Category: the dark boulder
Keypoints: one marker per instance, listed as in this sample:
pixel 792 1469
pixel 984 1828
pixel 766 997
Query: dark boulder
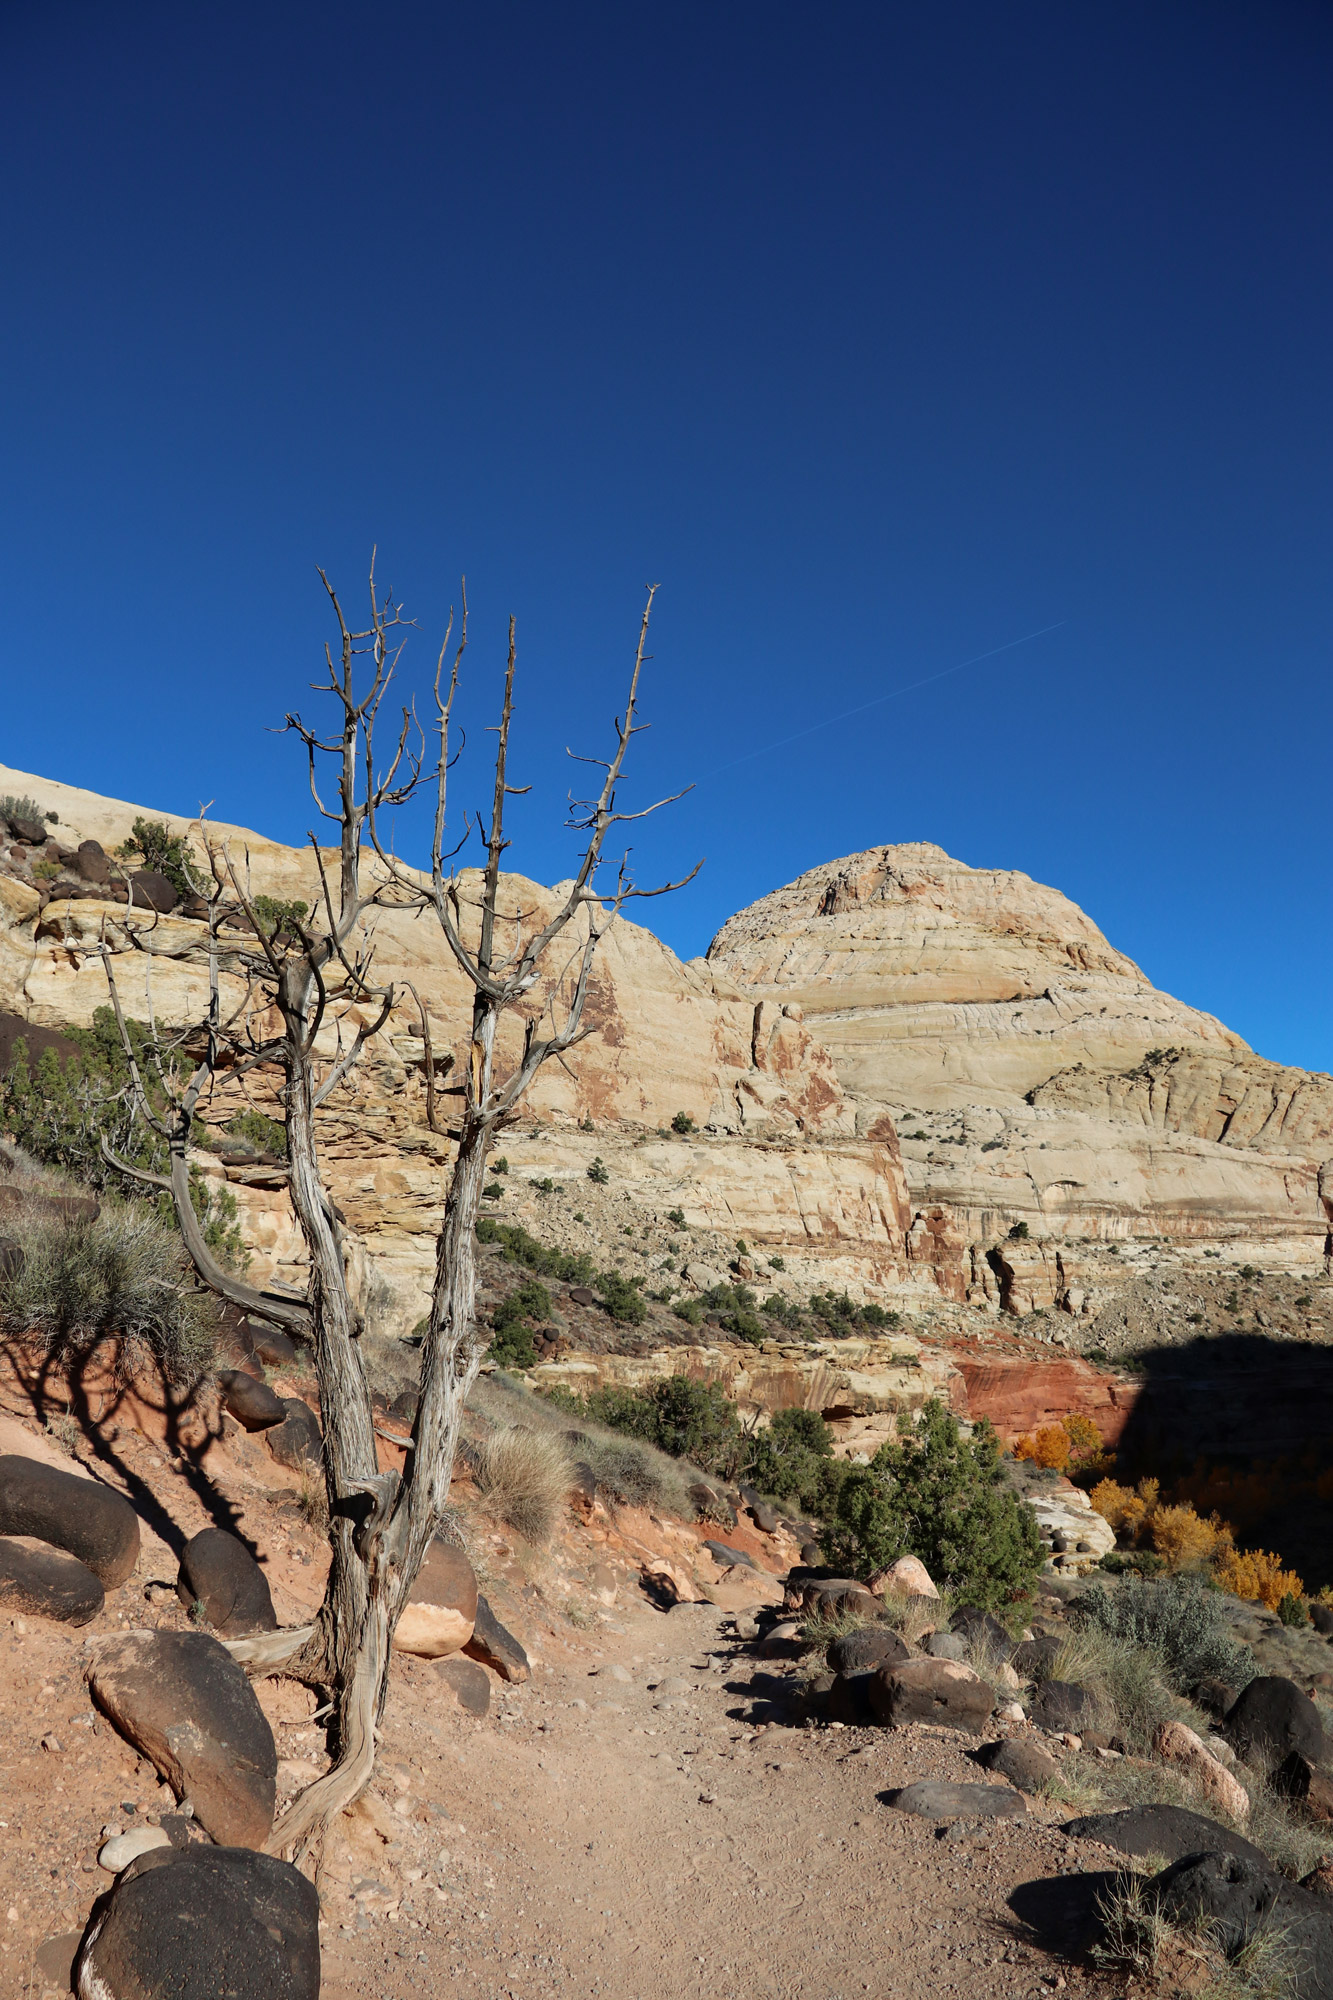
pixel 840 1597
pixel 1022 1760
pixel 153 891
pixel 765 1517
pixel 1035 1658
pixel 196 1923
pixel 939 1691
pixel 218 1571
pixel 1170 1830
pixel 860 1652
pixel 250 1401
pixel 182 1700
pixel 709 1504
pixel 495 1645
pixel 1062 1706
pixel 32 832
pixel 1216 1698
pixel 1234 1898
pixel 44 1582
pixel 1297 1778
pixel 728 1557
pixel 1321 1617
pixel 933 1799
pixel 980 1628
pixel 85 1518
pixel 847 1699
pixel 469 1682
pixel 1271 1718
pixel 92 863
pixel 581 1296
pixel 297 1440
pixel 271 1346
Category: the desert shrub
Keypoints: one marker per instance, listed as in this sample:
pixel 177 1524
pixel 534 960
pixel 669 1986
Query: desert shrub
pixel 1257 1575
pixel 793 1460
pixel 622 1298
pixel 1292 1610
pixel 153 842
pixel 690 1310
pixel 1179 1619
pixel 500 1165
pixel 124 1273
pixel 1125 1508
pixel 1048 1447
pixel 876 1317
pixel 1019 1232
pixel 1074 1445
pixel 684 1419
pixel 598 1173
pixel 634 1473
pixel 62 1112
pixel 523 1476
pixel 20 806
pixel 776 1307
pixel 513 1320
pixel 1183 1539
pixel 935 1494
pixel 1126 1677
pixel 676 1217
pixel 266 1135
pixel 574 1266
pixel 742 1324
pixel 682 1122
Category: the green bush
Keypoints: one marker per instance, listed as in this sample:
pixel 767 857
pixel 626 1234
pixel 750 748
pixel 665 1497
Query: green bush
pixel 575 1267
pixel 1019 1233
pixel 793 1460
pixel 690 1310
pixel 266 1135
pixel 1179 1619
pixel 684 1419
pixel 622 1298
pixel 22 807
pixel 513 1321
pixel 776 1307
pixel 676 1217
pixel 777 1263
pixel 597 1171
pixel 279 922
pixel 61 1113
pixel 124 1273
pixel 1293 1610
pixel 682 1122
pixel 153 842
pixel 938 1495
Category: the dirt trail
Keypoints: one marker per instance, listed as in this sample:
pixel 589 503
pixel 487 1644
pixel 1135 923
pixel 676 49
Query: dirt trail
pixel 608 1836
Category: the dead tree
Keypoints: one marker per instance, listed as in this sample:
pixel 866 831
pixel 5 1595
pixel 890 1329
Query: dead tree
pixel 381 1523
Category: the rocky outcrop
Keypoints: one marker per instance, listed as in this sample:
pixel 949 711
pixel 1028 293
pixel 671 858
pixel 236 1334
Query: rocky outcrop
pixel 1034 1074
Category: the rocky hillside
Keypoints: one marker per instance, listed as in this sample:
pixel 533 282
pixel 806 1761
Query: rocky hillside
pixel 1034 1075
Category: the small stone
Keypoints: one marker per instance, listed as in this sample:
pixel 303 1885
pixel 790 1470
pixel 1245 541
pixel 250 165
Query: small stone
pixel 126 1847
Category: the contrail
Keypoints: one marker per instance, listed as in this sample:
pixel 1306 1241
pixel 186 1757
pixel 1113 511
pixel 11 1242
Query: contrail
pixel 861 708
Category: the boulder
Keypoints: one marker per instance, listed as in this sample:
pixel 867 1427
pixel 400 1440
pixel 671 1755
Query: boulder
pixel 981 1629
pixel 1321 1617
pixel 196 1923
pixel 847 1699
pixel 1271 1719
pixel 53 1961
pixel 1062 1706
pixel 250 1401
pixel 1233 1898
pixel 721 1552
pixel 218 1571
pixel 908 1577
pixel 182 1700
pixel 1035 1658
pixel 441 1608
pixel 1169 1830
pixel 940 1691
pixel 1175 1743
pixel 1297 1778
pixel 946 1646
pixel 839 1597
pixel 39 1581
pixel 495 1645
pixel 32 832
pixel 153 891
pixel 91 862
pixel 933 1799
pixel 710 1504
pixel 765 1517
pixel 860 1652
pixel 469 1682
pixel 297 1440
pixel 1022 1760
pixel 82 1516
pixel 274 1348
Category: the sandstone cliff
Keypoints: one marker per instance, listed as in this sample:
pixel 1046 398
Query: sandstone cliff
pixel 1035 1076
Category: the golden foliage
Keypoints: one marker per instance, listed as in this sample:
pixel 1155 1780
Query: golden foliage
pixel 1075 1442
pixel 1257 1575
pixel 1050 1447
pixel 1184 1539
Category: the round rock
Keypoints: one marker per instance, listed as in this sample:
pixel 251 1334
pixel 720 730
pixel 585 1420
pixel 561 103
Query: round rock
pixel 123 1848
pixel 79 1515
pixel 46 1582
pixel 297 1440
pixel 219 1572
pixel 199 1922
pixel 933 1799
pixel 441 1611
pixel 250 1401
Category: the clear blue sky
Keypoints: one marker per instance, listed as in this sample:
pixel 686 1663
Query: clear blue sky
pixel 877 335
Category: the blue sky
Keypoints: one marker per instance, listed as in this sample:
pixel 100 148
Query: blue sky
pixel 878 336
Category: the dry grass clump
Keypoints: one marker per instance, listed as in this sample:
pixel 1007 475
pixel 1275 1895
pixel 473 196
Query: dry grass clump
pixel 122 1274
pixel 524 1477
pixel 912 1618
pixel 1139 1938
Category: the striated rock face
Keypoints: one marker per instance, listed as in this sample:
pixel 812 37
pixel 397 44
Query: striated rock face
pixel 1034 1074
